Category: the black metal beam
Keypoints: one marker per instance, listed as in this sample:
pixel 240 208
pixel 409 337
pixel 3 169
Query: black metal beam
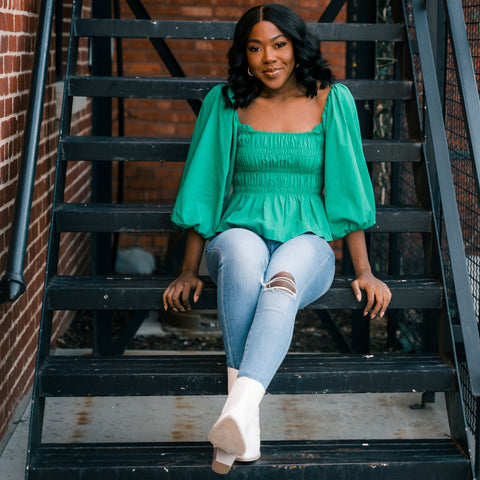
pixel 113 292
pixel 361 59
pixel 331 12
pixel 322 460
pixel 197 88
pixel 334 331
pixel 102 174
pixel 174 149
pixel 105 217
pixel 358 32
pixel 170 29
pixel 205 374
pixel 128 332
pixel 163 50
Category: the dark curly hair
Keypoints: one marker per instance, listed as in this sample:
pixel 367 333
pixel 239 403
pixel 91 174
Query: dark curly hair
pixel 311 67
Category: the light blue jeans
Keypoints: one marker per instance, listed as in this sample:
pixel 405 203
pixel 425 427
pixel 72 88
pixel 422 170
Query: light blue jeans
pixel 257 319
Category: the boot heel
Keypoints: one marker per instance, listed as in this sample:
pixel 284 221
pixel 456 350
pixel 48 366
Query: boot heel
pixel 227 435
pixel 222 461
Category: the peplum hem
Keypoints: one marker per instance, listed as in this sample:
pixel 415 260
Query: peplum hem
pixel 277 217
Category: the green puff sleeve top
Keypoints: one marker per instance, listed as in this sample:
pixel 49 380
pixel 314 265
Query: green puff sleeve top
pixel 276 184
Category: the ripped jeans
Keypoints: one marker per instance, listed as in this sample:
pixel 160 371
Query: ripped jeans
pixel 257 299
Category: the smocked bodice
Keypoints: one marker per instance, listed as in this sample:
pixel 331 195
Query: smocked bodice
pixel 278 163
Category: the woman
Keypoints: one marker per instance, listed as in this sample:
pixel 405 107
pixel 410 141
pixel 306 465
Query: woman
pixel 275 171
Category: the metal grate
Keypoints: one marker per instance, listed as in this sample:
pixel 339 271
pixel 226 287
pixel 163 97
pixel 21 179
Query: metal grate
pixel 470 216
pixel 469 402
pixel 465 185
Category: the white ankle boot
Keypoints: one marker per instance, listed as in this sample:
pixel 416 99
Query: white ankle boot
pixel 230 434
pixel 252 451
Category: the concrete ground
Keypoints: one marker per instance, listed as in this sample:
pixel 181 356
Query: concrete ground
pixel 187 418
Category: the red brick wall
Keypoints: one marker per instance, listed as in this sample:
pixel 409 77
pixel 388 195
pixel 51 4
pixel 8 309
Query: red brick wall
pixel 145 182
pixel 19 321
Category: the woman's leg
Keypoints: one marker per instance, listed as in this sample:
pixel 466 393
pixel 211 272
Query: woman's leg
pixel 237 259
pixel 299 271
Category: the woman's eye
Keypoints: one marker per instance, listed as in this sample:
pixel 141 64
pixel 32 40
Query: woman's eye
pixel 253 49
pixel 280 44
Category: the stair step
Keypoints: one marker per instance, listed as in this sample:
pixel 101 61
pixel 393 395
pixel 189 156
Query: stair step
pixel 392 151
pixel 102 217
pixel 197 88
pixel 200 374
pixel 316 460
pixel 98 217
pixel 112 149
pixel 117 292
pixel 144 149
pixel 170 29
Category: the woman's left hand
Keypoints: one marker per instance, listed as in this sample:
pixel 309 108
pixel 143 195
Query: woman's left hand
pixel 378 294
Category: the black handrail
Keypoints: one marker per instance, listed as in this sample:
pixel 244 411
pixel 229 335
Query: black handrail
pixel 13 283
pixel 59 40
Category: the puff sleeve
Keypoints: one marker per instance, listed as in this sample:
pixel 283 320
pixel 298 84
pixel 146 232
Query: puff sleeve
pixel 208 171
pixel 348 193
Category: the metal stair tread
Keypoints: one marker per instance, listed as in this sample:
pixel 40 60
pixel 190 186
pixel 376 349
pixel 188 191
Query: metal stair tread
pixel 223 30
pixel 111 217
pixel 174 149
pixel 196 88
pixel 322 460
pixel 117 292
pixel 205 374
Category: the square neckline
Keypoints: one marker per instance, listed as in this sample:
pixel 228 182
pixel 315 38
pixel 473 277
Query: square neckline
pixel 312 130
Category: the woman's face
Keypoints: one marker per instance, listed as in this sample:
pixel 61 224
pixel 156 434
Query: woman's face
pixel 270 57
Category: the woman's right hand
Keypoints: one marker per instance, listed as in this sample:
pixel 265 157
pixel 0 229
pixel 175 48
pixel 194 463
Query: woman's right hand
pixel 177 294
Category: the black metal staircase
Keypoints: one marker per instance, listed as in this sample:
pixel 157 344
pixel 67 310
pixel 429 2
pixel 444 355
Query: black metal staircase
pixel 108 375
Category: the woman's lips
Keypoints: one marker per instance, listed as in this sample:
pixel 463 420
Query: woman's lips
pixel 272 72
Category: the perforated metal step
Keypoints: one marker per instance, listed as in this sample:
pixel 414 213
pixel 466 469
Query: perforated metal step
pixel 200 374
pixel 315 460
pixel 145 293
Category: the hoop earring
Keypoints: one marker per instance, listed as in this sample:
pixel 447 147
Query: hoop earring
pixel 250 72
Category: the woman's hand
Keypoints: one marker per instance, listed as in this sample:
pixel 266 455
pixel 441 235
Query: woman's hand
pixel 177 294
pixel 378 294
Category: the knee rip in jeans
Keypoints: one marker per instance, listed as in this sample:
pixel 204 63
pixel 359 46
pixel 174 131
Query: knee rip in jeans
pixel 284 282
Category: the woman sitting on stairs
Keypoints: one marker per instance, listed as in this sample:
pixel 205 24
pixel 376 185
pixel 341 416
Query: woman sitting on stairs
pixel 274 172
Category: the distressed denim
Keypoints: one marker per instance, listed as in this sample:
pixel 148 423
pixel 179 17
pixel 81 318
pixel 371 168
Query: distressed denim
pixel 257 319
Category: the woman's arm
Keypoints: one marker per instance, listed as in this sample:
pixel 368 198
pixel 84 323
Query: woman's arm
pixel 177 293
pixel 378 294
